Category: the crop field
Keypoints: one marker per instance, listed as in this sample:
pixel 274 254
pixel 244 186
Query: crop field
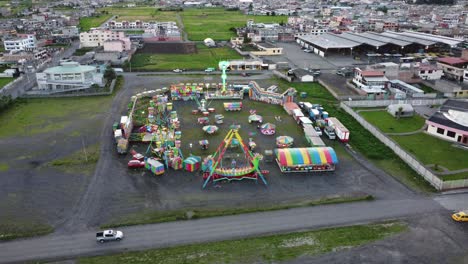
pixel 206 57
pixel 216 23
pixel 140 13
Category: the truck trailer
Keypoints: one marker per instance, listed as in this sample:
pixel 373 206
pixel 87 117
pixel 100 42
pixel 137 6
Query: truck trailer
pixel 340 130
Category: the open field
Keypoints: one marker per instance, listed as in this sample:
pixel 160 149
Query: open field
pixel 267 249
pixel 86 23
pixel 389 124
pixel 5 80
pixel 431 150
pixel 147 13
pixel 206 57
pixel 34 116
pixel 216 23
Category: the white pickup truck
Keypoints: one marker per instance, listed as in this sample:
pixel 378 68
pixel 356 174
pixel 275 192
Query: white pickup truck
pixel 109 235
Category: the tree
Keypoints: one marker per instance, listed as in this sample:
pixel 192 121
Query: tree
pixel 383 9
pixel 250 7
pixel 273 13
pixel 109 74
pixel 400 111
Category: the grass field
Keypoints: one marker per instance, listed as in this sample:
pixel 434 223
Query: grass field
pixel 197 213
pixel 215 23
pixel 34 116
pixel 18 228
pixel 266 249
pixel 6 80
pixel 147 13
pixel 206 57
pixel 90 22
pixel 389 124
pixel 431 150
pixel 84 160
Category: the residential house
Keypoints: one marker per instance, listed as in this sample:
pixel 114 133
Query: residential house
pixel 453 67
pixel 370 82
pixel 97 37
pixel 23 42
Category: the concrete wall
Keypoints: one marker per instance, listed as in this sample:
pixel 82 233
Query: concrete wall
pixel 405 156
pixel 384 103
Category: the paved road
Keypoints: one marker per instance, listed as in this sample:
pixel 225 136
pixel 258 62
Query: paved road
pixel 212 229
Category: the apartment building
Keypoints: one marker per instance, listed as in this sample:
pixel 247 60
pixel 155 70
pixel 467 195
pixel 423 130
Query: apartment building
pixel 97 37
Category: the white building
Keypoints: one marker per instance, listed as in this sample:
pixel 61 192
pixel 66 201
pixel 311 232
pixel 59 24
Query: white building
pixel 97 37
pixel 27 42
pixel 450 122
pixel 430 72
pixel 69 76
pixel 371 82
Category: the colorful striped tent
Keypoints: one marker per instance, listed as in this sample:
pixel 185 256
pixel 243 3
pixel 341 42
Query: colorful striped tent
pixel 192 163
pixel 306 159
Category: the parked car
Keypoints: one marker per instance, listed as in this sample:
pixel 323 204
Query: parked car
pixel 461 216
pixel 109 235
pixel 345 72
pixel 245 74
pixel 330 132
pixel 318 130
pixel 178 70
pixel 308 51
pixel 209 69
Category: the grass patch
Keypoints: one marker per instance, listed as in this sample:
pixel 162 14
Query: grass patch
pixel 82 51
pixel 135 32
pixel 206 57
pixel 18 228
pixel 83 160
pixel 64 45
pixel 431 150
pixel 426 88
pixel 389 124
pixel 86 23
pixel 4 167
pixel 374 150
pixel 266 249
pixel 454 177
pixel 27 117
pixel 5 80
pixel 216 23
pixel 197 213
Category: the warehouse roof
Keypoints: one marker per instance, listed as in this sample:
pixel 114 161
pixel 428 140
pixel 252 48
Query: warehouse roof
pixel 363 39
pixel 431 37
pixel 411 39
pixel 330 41
pixel 390 40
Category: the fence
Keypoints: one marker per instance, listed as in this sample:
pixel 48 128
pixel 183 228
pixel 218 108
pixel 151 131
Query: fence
pixel 405 156
pixel 282 76
pixel 383 103
pixel 111 90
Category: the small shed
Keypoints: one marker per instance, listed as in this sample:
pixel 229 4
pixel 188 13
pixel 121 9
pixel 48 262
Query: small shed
pixel 407 110
pixel 303 75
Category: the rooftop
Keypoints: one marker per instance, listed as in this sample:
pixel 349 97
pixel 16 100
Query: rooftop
pixel 70 67
pixel 453 113
pixel 452 60
pixel 372 73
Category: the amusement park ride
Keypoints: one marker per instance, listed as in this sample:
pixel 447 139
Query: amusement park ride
pixel 234 159
pixel 212 165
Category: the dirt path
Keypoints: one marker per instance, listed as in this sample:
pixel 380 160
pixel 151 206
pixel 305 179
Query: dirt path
pixel 181 27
